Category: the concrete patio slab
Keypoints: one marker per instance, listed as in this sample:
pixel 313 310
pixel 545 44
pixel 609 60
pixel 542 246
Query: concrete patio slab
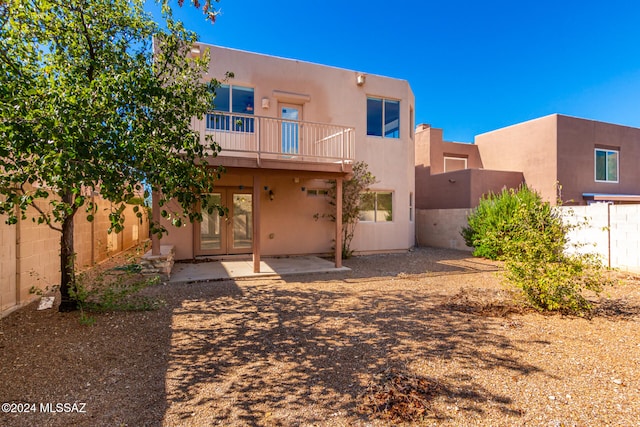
pixel 238 269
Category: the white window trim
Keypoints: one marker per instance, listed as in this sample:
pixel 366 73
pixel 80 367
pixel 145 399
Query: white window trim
pixel 595 165
pixel 444 165
pixel 393 202
pixel 384 114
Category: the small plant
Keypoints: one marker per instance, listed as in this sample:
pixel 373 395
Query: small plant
pixel 352 190
pixel 114 290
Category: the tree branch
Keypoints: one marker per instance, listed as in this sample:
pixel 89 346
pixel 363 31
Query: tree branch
pixel 42 213
pixel 92 54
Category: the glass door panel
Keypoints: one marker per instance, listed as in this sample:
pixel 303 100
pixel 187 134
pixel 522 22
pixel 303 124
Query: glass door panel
pixel 242 221
pixel 290 128
pixel 211 228
pixel 230 234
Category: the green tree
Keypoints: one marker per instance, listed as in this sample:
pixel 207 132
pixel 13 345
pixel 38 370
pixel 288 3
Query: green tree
pixel 85 105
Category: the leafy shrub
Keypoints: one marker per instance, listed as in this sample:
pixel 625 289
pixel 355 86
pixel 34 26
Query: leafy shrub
pixel 115 290
pixel 530 236
pixel 492 225
pixel 557 285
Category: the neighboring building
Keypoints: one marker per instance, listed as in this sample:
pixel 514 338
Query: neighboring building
pixel 589 160
pixel 450 175
pixel 288 129
pixel 574 160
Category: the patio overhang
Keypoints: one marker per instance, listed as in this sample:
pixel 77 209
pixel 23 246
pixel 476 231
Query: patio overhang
pixel 616 198
pixel 248 165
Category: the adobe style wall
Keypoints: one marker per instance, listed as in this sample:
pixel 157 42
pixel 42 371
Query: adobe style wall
pixel 431 150
pixel 530 148
pixel 577 141
pixel 328 95
pixel 462 188
pixel 436 189
pixel 558 149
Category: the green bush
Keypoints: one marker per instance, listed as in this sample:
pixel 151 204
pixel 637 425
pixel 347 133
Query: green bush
pixel 493 225
pixel 528 234
pixel 114 290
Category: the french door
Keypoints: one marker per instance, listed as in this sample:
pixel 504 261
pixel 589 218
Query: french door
pixel 229 234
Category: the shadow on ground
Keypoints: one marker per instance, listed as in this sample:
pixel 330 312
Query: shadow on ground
pixel 258 353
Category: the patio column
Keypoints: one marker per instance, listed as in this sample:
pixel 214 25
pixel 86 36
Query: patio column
pixel 155 219
pixel 338 222
pixel 256 223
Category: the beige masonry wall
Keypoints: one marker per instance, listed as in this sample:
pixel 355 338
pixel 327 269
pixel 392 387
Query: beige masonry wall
pixel 30 254
pixel 611 231
pixel 440 228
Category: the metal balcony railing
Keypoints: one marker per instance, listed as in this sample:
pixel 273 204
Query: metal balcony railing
pixel 279 139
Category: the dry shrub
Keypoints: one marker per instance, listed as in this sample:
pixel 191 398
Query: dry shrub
pixel 398 397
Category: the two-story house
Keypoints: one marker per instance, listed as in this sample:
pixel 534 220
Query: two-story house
pixel 288 130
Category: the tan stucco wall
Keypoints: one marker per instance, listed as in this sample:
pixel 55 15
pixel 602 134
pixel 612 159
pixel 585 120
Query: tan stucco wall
pixel 463 188
pixel 329 95
pixel 577 140
pixel 288 226
pixel 431 150
pixel 559 149
pixel 530 147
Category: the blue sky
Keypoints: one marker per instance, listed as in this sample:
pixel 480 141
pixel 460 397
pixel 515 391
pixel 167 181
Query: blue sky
pixel 474 66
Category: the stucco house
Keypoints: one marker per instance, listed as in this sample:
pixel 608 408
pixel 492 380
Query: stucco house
pixel 573 160
pixel 288 129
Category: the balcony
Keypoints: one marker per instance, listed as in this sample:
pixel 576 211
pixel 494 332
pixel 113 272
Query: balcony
pixel 267 142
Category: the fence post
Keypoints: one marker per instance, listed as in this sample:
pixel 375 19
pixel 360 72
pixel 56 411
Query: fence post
pixel 609 234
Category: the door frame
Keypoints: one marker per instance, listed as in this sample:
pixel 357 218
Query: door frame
pixel 300 109
pixel 226 226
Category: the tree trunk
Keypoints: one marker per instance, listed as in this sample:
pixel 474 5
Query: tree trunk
pixel 67 261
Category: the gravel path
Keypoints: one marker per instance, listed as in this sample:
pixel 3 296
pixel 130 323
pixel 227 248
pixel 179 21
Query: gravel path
pixel 302 351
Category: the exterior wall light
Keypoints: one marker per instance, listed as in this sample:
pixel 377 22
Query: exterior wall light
pixel 265 103
pixel 361 79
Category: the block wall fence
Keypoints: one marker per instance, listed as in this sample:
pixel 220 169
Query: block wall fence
pixel 612 231
pixel 30 253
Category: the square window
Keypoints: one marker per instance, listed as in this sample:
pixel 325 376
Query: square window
pixel 383 117
pixel 232 99
pixel 606 165
pixel 376 206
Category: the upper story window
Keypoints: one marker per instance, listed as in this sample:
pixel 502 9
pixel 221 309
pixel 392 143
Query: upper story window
pixel 606 165
pixel 232 99
pixel 383 117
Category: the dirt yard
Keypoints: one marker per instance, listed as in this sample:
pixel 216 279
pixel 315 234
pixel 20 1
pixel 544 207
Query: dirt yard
pixel 308 350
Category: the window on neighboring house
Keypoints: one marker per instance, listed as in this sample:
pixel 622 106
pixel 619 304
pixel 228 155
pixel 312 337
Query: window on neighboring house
pixel 376 206
pixel 454 163
pixel 607 165
pixel 383 117
pixel 232 99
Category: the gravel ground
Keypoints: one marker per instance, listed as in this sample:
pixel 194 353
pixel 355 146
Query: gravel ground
pixel 303 350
